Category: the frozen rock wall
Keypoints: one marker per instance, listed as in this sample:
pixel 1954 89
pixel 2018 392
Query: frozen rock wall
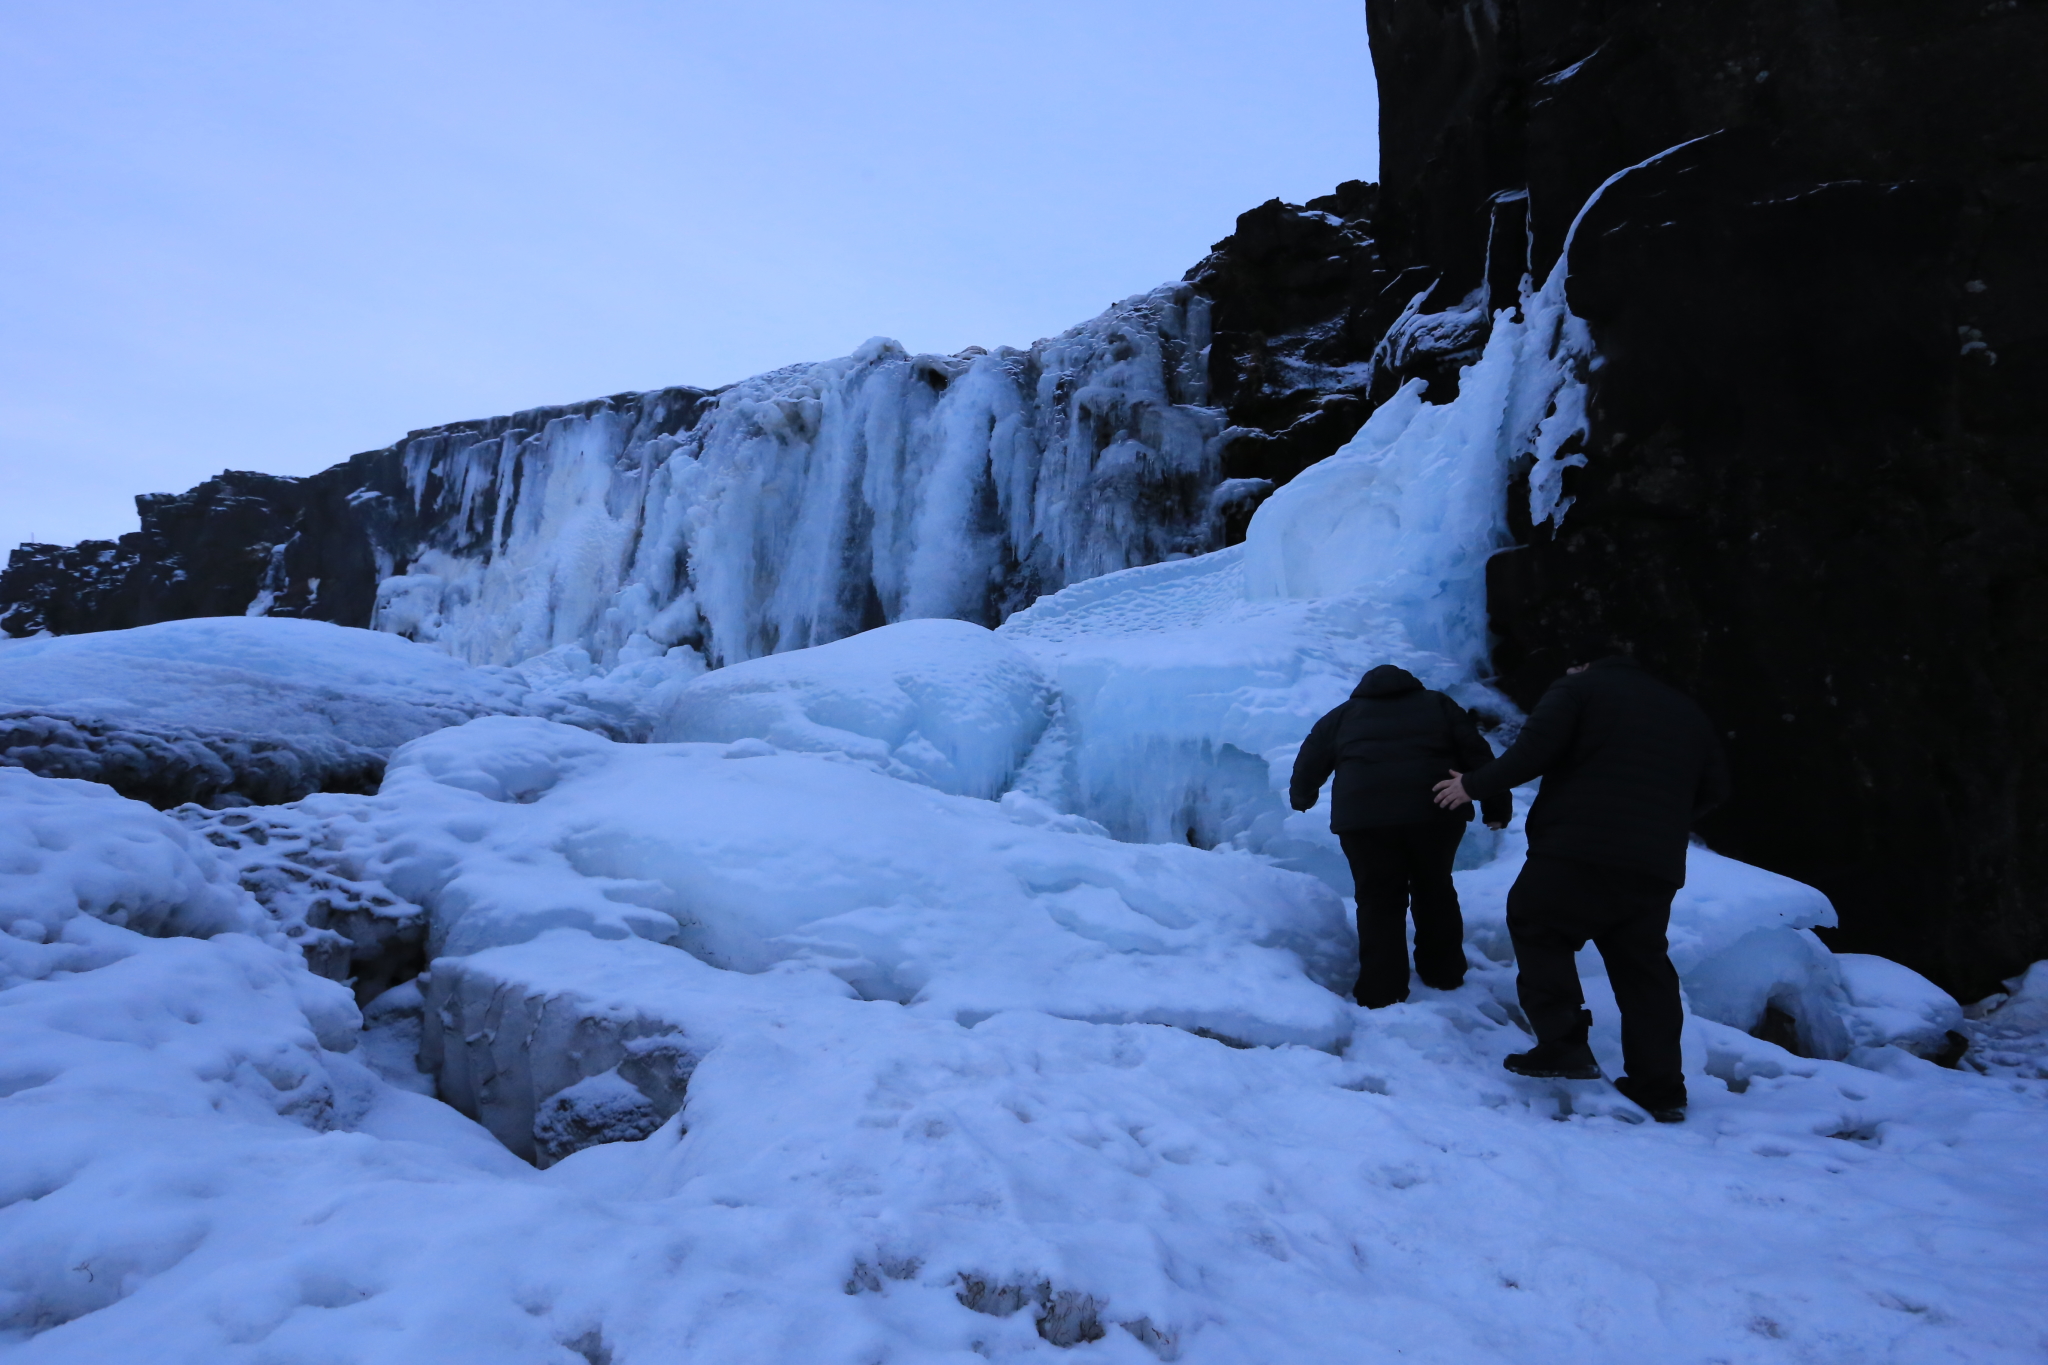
pixel 819 500
pixel 791 509
pixel 1812 493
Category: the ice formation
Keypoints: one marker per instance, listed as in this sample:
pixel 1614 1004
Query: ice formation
pixel 1199 677
pixel 195 1172
pixel 945 703
pixel 812 502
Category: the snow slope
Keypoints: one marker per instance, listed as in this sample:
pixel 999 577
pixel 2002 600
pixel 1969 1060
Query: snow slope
pixel 853 1180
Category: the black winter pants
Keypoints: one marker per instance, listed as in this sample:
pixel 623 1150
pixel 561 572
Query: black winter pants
pixel 1555 906
pixel 1391 867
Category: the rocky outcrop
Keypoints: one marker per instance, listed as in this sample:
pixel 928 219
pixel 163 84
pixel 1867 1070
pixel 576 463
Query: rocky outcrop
pixel 1813 489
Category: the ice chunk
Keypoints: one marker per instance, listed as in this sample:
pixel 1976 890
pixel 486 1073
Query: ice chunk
pixel 1742 940
pixel 1788 971
pixel 568 1041
pixel 944 703
pixel 598 1109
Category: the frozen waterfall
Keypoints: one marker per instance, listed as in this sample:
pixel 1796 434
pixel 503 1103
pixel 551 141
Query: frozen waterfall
pixel 819 500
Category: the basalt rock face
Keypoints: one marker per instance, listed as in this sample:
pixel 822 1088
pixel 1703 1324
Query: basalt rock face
pixel 1306 330
pixel 1816 479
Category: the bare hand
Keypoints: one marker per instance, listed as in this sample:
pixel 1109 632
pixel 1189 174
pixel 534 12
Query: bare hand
pixel 1450 794
pixel 1495 828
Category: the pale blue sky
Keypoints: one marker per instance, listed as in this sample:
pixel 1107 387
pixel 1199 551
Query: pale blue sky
pixel 266 234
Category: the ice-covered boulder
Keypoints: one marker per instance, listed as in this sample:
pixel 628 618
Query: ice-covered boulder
pixel 71 848
pixel 945 703
pixel 1742 940
pixel 232 708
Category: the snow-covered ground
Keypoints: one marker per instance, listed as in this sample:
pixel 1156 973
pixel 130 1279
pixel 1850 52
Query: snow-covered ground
pixel 940 994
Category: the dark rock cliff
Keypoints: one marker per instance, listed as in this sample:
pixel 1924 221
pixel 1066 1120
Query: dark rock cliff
pixel 1817 476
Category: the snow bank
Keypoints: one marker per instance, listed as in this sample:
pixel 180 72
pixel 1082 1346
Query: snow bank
pixel 152 1094
pixel 70 848
pixel 249 709
pixel 751 859
pixel 234 710
pixel 944 703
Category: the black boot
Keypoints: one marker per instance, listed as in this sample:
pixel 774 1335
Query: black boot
pixel 1662 1103
pixel 1564 1059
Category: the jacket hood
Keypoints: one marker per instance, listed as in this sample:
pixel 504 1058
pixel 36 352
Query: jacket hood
pixel 1387 681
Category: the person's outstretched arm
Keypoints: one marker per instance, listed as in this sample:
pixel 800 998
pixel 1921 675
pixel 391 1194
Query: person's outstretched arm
pixel 1545 738
pixel 1314 762
pixel 1474 753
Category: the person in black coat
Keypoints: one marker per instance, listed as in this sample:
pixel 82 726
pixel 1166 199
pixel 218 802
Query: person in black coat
pixel 1628 763
pixel 1388 746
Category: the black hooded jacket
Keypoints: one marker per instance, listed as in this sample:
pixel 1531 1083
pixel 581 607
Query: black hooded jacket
pixel 1628 763
pixel 1389 746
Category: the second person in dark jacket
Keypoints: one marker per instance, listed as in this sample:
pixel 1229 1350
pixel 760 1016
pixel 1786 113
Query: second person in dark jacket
pixel 1388 746
pixel 1628 763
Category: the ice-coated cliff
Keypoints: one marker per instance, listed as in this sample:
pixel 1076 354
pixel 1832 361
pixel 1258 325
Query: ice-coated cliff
pixel 818 500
